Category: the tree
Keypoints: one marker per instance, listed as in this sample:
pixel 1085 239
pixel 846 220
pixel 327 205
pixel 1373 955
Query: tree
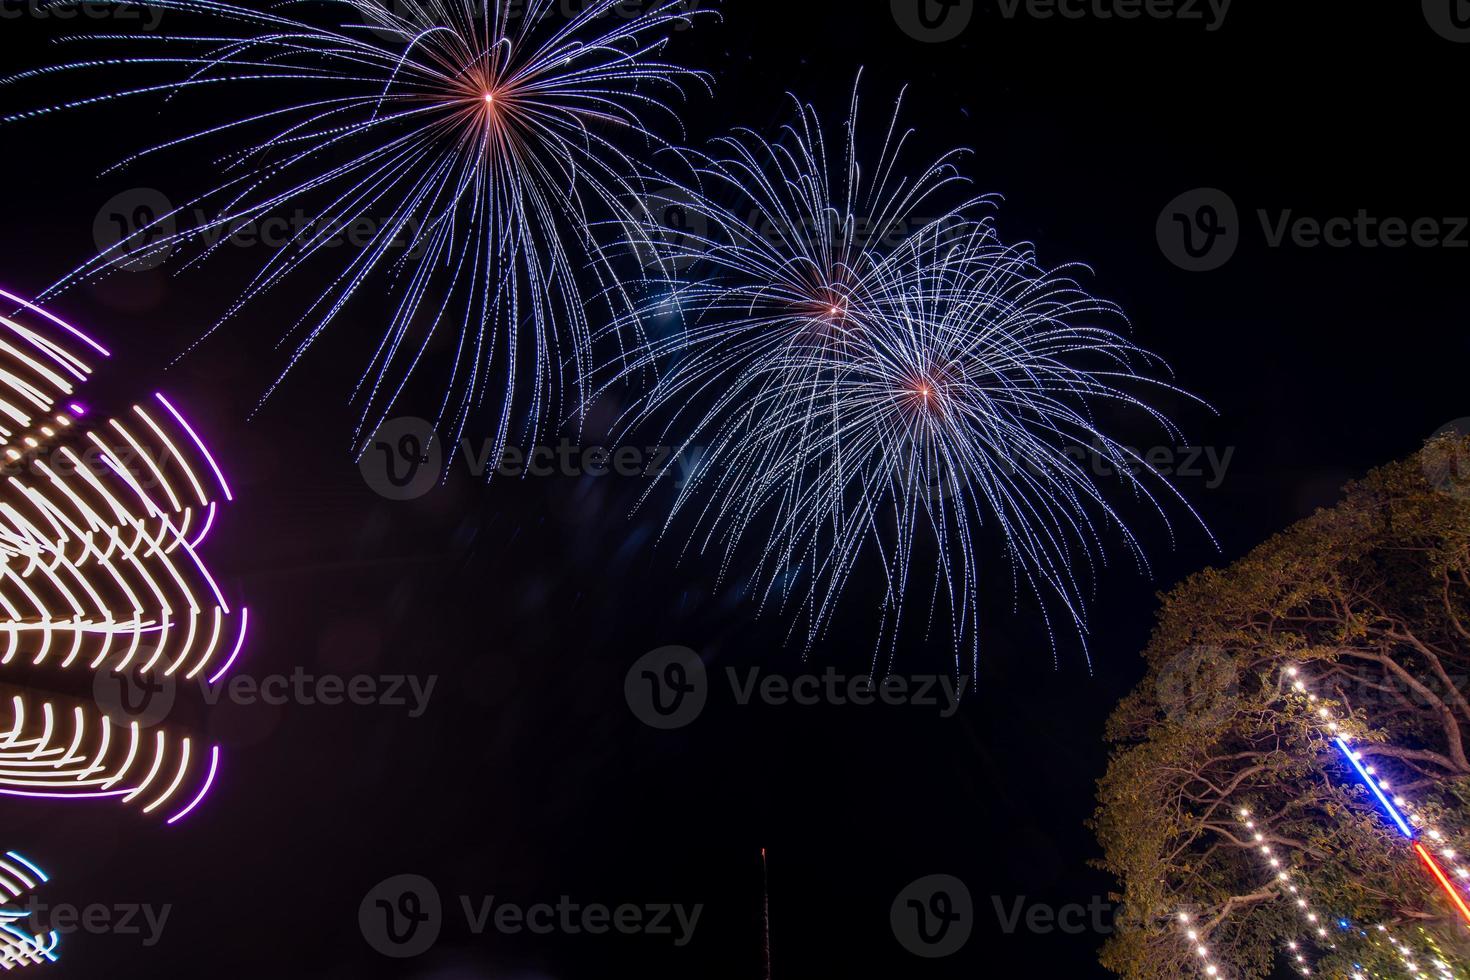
pixel 1369 601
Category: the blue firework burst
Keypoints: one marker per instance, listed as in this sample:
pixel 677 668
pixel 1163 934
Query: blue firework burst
pixel 866 374
pixel 494 147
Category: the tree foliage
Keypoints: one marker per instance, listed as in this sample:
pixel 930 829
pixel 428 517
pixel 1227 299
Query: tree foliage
pixel 1370 600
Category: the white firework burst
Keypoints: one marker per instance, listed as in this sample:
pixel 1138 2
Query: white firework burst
pixel 881 388
pixel 494 147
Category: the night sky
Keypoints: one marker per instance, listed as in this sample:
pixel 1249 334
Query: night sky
pixel 527 777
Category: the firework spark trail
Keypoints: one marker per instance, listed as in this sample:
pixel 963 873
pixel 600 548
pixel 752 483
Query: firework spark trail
pixel 766 912
pixel 863 384
pixel 482 139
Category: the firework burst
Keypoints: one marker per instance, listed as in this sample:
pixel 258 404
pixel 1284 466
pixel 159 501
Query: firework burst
pixel 884 386
pixel 487 144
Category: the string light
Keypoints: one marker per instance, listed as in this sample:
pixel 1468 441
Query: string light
pixel 1316 921
pixel 1356 761
pixel 1409 822
pixel 1207 963
pixel 1438 872
pixel 1396 806
pixel 1279 872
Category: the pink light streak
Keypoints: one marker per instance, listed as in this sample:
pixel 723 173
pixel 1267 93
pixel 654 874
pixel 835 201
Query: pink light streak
pixel 198 442
pixel 208 523
pixel 58 321
pixel 204 790
pixel 44 795
pixel 239 642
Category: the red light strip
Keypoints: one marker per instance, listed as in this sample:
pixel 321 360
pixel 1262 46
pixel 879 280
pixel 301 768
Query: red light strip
pixel 1444 881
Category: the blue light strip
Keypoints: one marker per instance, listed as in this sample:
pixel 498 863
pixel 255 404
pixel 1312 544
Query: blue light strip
pixel 1373 785
pixel 33 943
pixel 35 870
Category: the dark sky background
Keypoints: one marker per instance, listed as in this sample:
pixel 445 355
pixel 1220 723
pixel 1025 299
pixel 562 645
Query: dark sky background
pixel 528 778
